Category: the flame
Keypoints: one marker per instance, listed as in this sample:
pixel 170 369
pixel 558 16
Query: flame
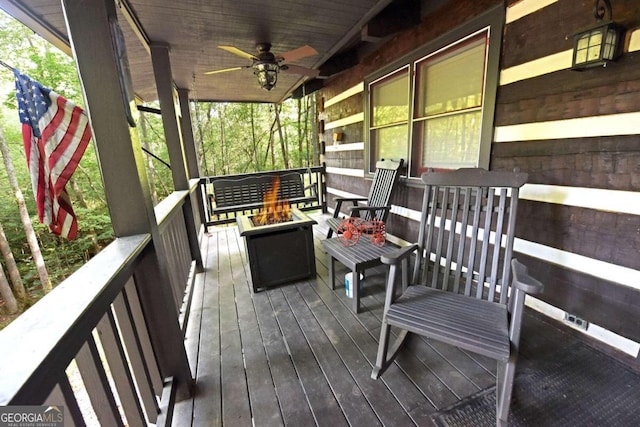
pixel 273 210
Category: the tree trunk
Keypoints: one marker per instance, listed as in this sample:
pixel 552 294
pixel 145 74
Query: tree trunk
pixel 77 194
pixel 223 156
pixel 97 192
pixel 283 145
pixel 5 291
pixel 200 127
pixel 12 267
pixel 24 216
pixel 305 133
pixel 254 142
pixel 301 134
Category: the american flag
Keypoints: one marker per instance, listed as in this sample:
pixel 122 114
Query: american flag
pixel 56 134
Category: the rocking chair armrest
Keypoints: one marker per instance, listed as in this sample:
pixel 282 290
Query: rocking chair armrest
pixel 350 199
pixel 339 201
pixel 395 257
pixel 522 280
pixel 372 209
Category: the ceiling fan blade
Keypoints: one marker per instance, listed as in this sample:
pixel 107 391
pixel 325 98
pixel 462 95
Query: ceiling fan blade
pixel 238 52
pixel 296 69
pixel 224 70
pixel 295 54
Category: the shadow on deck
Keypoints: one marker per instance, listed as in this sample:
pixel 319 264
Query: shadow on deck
pixel 296 355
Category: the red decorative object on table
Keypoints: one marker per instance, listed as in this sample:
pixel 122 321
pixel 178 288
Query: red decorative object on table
pixel 353 227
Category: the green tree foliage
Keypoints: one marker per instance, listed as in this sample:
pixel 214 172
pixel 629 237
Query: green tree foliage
pixel 232 138
pixel 242 138
pixel 33 56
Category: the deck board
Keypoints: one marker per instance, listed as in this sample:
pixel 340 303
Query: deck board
pixel 297 355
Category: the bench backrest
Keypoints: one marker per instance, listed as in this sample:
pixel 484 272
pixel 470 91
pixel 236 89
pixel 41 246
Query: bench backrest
pixel 467 231
pixel 251 189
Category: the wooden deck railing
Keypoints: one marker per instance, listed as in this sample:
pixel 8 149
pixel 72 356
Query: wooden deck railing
pixel 93 332
pixel 312 179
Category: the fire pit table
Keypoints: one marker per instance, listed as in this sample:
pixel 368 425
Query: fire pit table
pixel 281 252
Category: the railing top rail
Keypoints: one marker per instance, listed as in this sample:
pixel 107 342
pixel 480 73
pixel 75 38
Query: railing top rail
pixel 49 334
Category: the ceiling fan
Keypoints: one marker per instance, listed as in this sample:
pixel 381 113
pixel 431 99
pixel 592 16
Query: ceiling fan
pixel 267 65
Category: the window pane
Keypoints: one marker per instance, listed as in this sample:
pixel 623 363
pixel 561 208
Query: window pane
pixel 389 143
pixel 390 99
pixel 452 81
pixel 451 142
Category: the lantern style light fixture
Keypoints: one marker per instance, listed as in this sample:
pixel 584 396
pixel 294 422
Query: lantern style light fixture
pixel 598 44
pixel 267 73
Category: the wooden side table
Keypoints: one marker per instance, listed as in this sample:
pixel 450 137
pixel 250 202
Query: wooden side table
pixel 357 258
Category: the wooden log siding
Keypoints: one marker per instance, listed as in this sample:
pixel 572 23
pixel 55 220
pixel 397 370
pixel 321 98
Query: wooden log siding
pixel 539 88
pixel 607 161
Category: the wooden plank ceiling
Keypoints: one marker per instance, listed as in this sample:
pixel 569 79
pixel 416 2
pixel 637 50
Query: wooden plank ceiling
pixel 195 28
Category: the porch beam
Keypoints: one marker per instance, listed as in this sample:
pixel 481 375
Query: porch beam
pixel 124 176
pixel 135 24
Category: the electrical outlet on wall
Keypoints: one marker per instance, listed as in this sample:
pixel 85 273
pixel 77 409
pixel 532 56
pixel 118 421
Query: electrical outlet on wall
pixel 576 321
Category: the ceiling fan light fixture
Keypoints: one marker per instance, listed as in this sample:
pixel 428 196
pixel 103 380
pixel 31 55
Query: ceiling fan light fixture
pixel 267 73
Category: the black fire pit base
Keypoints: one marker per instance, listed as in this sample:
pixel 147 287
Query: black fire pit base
pixel 279 253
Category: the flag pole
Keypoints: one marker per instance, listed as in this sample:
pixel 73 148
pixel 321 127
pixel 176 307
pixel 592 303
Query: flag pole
pixel 7 66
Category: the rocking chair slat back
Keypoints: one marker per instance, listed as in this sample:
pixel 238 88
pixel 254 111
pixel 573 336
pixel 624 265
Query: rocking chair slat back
pixel 384 180
pixel 468 233
pixel 377 203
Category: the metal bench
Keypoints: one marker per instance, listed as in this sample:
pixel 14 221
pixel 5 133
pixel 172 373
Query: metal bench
pixel 246 194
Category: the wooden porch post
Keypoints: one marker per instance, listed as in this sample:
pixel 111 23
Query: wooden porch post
pixel 167 95
pixel 124 176
pixel 178 157
pixel 191 153
pixel 190 149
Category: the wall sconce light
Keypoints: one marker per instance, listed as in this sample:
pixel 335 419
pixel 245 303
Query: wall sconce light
pixel 599 43
pixel 267 73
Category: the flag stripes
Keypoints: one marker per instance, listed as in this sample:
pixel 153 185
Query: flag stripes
pixel 55 134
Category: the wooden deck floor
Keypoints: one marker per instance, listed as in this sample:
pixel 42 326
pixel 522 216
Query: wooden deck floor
pixel 296 355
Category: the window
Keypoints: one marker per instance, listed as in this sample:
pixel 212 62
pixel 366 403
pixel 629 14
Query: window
pixel 435 107
pixel 389 130
pixel 448 113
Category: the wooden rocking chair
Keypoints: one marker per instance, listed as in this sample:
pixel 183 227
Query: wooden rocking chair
pixel 464 294
pixel 384 180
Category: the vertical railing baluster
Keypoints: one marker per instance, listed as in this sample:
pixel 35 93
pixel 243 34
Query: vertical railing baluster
pixel 136 358
pixel 97 385
pixel 62 394
pixel 116 358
